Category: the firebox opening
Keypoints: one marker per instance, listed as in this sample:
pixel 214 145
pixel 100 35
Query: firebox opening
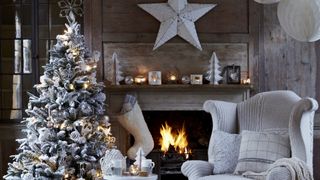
pixel 197 125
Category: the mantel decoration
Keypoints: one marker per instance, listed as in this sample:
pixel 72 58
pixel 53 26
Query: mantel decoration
pixel 114 75
pixel 300 19
pixel 233 75
pixel 177 17
pixel 213 75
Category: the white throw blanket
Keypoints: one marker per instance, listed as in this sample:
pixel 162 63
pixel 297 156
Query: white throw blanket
pixel 296 167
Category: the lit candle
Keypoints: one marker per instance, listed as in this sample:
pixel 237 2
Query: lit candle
pixel 134 170
pixel 246 81
pixel 140 79
pixel 173 78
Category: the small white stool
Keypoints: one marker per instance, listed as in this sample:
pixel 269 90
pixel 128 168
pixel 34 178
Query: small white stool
pixel 151 177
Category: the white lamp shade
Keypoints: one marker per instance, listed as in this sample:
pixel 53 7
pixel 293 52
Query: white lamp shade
pixel 267 1
pixel 300 19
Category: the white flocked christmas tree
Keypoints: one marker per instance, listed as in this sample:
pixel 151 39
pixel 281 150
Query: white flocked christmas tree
pixel 213 75
pixel 66 127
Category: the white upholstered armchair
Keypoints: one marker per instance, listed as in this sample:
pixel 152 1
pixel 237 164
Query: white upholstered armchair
pixel 268 110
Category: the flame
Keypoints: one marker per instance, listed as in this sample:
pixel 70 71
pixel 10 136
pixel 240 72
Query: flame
pixel 178 141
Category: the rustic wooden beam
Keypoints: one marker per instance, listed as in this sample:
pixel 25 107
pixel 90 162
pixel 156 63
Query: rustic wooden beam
pixel 93 29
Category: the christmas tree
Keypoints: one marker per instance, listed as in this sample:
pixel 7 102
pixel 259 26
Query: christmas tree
pixel 213 75
pixel 66 131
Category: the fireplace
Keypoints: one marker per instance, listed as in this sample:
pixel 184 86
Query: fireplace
pixel 176 104
pixel 195 126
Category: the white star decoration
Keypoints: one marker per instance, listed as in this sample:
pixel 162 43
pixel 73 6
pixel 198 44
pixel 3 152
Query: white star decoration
pixel 177 17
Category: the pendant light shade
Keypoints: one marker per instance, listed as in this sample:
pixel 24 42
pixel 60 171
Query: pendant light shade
pixel 267 1
pixel 300 19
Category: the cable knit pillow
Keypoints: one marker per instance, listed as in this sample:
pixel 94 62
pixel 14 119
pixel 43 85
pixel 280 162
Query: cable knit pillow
pixel 258 150
pixel 224 152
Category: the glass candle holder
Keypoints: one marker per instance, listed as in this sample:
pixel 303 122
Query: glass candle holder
pixel 172 79
pixel 140 79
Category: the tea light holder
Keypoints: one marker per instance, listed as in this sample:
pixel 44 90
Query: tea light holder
pixel 134 170
pixel 172 79
pixel 140 79
pixel 246 81
pixel 196 78
pixel 154 77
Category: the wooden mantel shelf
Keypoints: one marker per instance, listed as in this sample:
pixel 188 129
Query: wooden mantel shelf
pixel 179 87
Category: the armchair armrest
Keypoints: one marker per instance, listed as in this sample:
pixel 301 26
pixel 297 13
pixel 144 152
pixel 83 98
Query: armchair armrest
pixel 279 173
pixel 195 169
pixel 301 129
pixel 224 115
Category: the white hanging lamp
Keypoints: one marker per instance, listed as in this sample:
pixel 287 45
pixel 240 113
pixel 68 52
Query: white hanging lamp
pixel 300 19
pixel 267 1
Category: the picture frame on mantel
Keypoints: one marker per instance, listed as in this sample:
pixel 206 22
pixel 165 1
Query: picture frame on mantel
pixel 233 75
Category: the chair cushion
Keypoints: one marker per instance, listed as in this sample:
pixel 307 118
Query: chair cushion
pixel 225 152
pixel 258 150
pixel 223 177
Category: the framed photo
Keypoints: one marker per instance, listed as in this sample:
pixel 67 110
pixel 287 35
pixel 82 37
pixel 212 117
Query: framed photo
pixel 196 78
pixel 154 77
pixel 233 75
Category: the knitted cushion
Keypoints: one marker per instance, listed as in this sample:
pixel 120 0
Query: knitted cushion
pixel 225 152
pixel 258 150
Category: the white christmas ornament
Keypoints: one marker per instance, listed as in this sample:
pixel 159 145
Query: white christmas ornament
pixel 300 19
pixel 267 1
pixel 177 17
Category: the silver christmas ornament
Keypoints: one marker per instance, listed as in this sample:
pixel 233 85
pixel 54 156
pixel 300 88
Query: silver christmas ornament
pixel 128 80
pixel 185 79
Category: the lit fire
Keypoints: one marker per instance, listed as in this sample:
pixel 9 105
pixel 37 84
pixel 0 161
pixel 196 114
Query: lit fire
pixel 178 141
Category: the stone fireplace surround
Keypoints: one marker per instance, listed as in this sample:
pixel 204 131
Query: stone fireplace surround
pixel 167 98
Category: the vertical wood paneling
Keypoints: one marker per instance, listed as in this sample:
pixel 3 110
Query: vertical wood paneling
pixel 288 64
pixel 93 29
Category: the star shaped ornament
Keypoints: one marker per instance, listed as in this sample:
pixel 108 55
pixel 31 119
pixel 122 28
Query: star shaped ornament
pixel 177 17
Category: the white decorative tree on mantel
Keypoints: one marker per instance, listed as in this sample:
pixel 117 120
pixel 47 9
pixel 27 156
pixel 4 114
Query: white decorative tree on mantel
pixel 114 75
pixel 214 73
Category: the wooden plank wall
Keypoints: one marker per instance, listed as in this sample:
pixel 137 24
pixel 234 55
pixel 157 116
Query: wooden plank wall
pixel 275 61
pixel 288 64
pixel 133 39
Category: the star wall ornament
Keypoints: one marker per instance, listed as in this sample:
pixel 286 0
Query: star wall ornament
pixel 68 6
pixel 177 17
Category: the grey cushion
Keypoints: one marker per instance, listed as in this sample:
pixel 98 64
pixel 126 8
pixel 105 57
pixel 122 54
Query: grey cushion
pixel 223 177
pixel 258 150
pixel 225 152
